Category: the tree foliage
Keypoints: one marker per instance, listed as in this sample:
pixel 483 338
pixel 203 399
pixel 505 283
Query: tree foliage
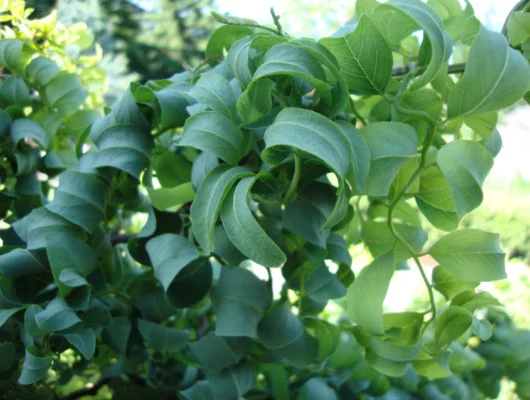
pixel 265 161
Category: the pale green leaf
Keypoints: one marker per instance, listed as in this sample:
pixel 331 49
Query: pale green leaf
pixel 493 85
pixel 366 295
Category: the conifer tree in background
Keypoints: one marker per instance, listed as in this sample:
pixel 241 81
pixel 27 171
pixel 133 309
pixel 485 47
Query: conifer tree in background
pixel 158 37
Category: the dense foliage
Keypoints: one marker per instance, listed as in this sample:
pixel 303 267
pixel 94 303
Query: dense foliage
pixel 275 160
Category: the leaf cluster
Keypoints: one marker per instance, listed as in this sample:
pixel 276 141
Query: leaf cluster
pixel 277 159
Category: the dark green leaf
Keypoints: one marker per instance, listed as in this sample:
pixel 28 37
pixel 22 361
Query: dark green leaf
pixel 316 389
pixel 240 296
pixel 19 262
pixel 162 338
pixel 284 334
pixel 207 205
pixel 312 133
pixel 255 102
pixel 116 335
pixel 84 341
pixel 35 367
pixel 26 128
pixel 65 93
pixel 6 313
pixel 244 231
pixel 56 316
pixel 213 132
pixel 7 356
pixel 215 353
pixel 214 91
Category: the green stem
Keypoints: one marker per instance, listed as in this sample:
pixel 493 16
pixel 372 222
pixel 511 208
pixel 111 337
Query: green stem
pixel 291 191
pixel 356 113
pixel 276 19
pixel 399 239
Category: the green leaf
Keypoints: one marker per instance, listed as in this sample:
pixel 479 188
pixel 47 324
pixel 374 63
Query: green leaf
pixel 14 92
pixel 26 128
pixel 472 301
pixel 200 390
pixel 391 145
pixel 278 380
pixel 348 352
pixel 312 133
pixel 11 53
pixel 448 285
pixel 327 334
pixel 65 93
pixel 238 59
pixel 518 27
pixel 163 339
pixel 470 255
pixel 482 328
pixel 172 101
pixel 81 198
pixel 41 71
pixel 122 138
pixel 316 389
pixel 232 383
pixel 255 102
pixel 20 262
pixel 201 167
pixel 393 351
pixel 215 353
pixel 452 324
pixel 35 367
pixel 380 240
pixel 172 170
pixel 69 253
pixel 223 38
pixel 213 132
pixel 214 91
pixel 360 155
pixel 5 123
pixel 432 368
pixel 56 316
pixel 116 335
pixel 243 229
pixel 364 57
pixel 34 228
pixel 84 341
pixel 366 295
pixel 435 201
pixel 322 285
pixel 164 198
pixel 186 278
pixel 284 334
pixel 30 323
pixel 307 215
pixel 415 14
pixel 6 313
pixel 7 356
pixel 240 296
pixel 385 365
pixel 408 324
pixel 465 165
pixel 489 86
pixel 207 204
pixel 295 61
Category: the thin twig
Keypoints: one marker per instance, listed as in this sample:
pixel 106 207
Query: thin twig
pixel 452 69
pixel 116 238
pixel 276 19
pixel 356 113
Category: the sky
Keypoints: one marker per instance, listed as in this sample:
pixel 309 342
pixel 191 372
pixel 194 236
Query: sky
pixel 492 13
